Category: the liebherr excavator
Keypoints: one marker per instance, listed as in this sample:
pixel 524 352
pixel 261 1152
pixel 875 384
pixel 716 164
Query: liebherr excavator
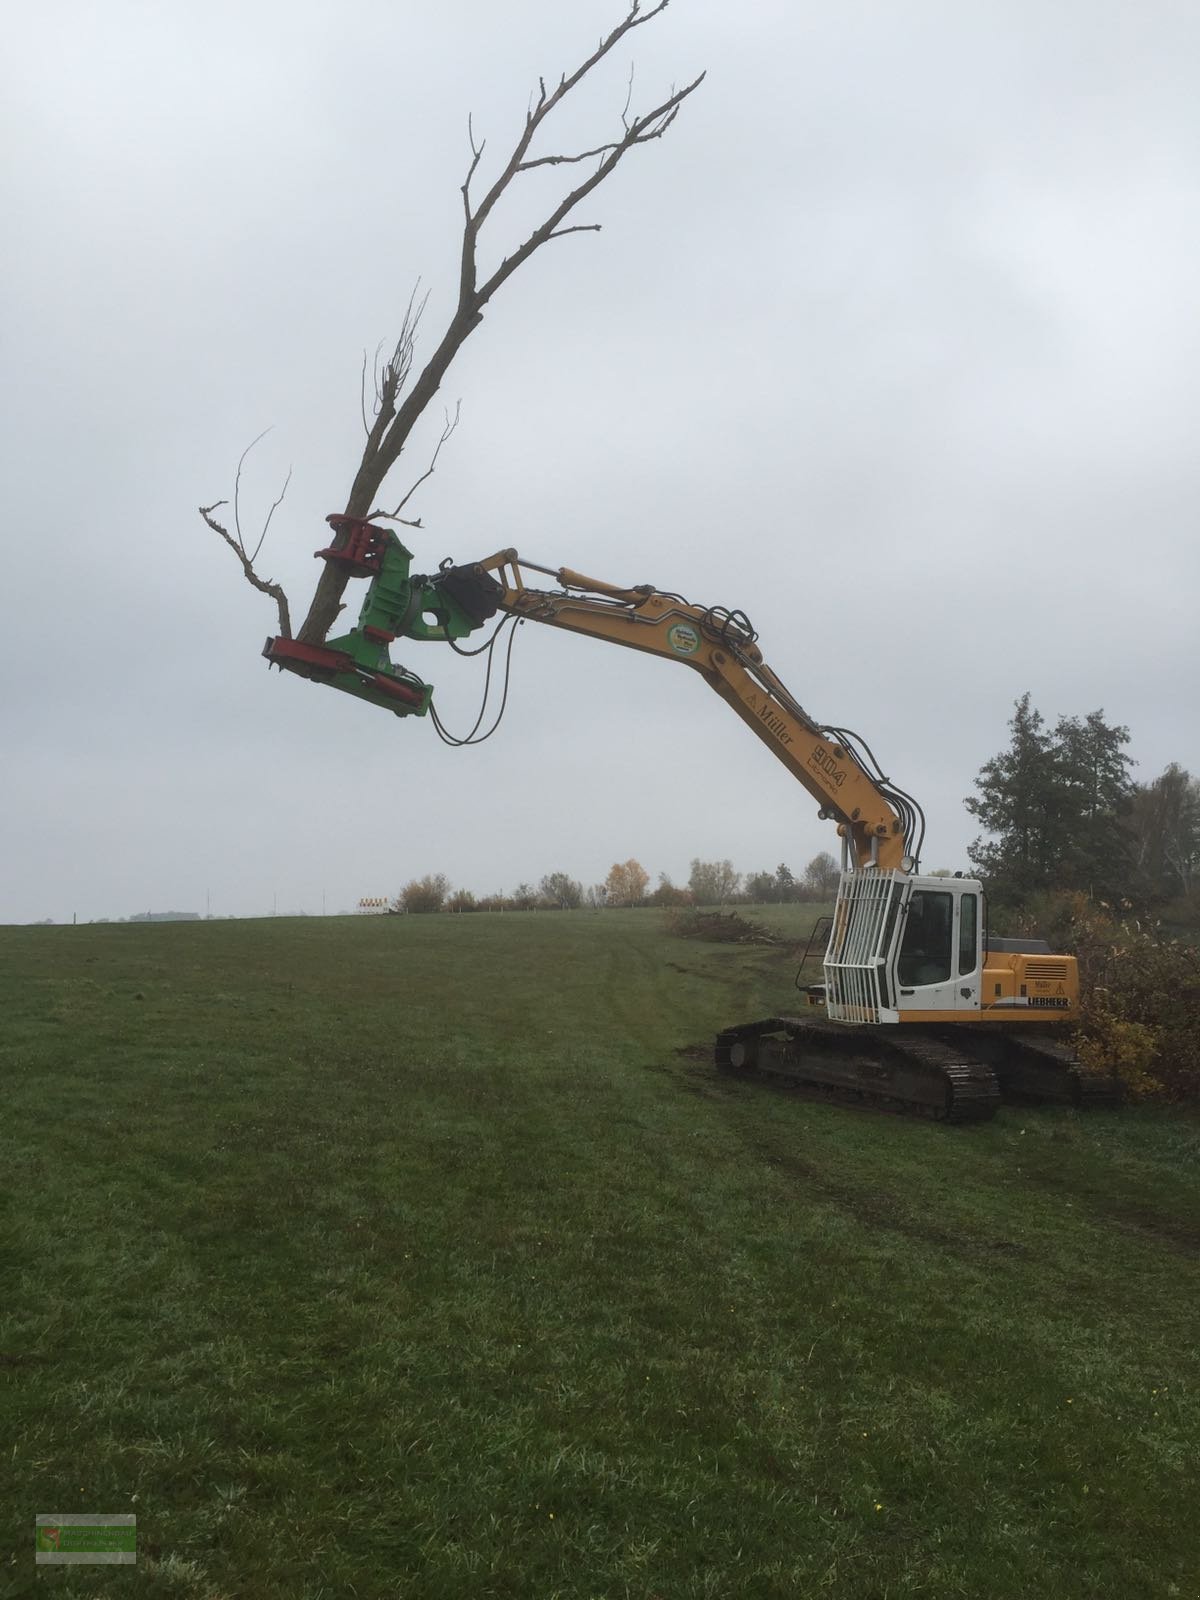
pixel 922 1012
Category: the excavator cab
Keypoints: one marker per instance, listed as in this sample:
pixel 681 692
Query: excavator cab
pixel 902 944
pixel 904 948
pixel 938 946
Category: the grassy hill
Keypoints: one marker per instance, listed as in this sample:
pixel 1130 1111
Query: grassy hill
pixel 423 1257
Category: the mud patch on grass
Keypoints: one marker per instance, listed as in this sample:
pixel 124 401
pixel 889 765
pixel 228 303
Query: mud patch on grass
pixel 882 1213
pixel 1165 1228
pixel 1177 1232
pixel 694 1071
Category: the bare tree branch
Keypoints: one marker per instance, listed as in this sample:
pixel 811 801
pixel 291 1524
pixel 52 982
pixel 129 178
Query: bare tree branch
pixel 641 130
pixel 273 589
pixel 584 155
pixel 576 227
pixel 275 504
pixel 545 103
pixel 390 516
pixel 393 375
pixel 394 516
pixel 476 157
pixel 558 161
pixel 237 487
pixel 237 543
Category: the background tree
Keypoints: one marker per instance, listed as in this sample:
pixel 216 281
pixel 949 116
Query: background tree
pixel 1164 828
pixel 626 883
pixel 668 894
pixel 786 886
pixel 394 417
pixel 713 882
pixel 1055 804
pixel 424 894
pixel 462 900
pixel 761 888
pixel 821 876
pixel 524 897
pixel 562 890
pixel 1093 772
pixel 1018 803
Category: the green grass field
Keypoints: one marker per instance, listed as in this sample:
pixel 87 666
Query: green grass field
pixel 424 1257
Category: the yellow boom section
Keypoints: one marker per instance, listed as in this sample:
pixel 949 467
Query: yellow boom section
pixel 722 650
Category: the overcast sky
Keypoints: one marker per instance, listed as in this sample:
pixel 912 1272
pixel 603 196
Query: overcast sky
pixel 892 342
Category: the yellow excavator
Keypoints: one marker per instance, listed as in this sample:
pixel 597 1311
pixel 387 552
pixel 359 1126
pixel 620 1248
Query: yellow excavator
pixel 920 1011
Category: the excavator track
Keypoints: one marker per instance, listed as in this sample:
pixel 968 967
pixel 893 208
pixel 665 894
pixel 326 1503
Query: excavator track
pixel 915 1075
pixel 1041 1071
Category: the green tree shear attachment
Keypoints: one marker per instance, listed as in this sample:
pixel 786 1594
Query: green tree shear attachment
pixel 397 605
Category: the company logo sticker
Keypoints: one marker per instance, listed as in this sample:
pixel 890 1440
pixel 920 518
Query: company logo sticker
pixel 683 638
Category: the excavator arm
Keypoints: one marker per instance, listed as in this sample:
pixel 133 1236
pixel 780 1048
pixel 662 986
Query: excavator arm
pixel 879 823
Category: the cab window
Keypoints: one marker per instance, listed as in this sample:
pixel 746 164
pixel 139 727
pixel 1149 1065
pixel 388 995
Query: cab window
pixel 925 953
pixel 968 927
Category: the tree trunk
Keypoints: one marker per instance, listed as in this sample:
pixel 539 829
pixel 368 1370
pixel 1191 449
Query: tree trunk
pixel 378 459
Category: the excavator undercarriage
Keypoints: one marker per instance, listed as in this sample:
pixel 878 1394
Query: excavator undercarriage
pixel 952 1074
pixel 874 1067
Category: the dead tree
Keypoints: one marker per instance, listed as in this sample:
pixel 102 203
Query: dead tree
pixel 399 403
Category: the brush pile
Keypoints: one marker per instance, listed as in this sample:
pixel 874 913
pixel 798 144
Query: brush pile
pixel 721 927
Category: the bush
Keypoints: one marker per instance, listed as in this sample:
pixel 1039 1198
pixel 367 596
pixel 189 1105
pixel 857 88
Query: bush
pixel 424 894
pixel 667 894
pixel 1140 993
pixel 1111 1043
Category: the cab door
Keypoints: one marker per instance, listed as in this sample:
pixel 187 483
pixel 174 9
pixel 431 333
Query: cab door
pixel 968 955
pixel 927 962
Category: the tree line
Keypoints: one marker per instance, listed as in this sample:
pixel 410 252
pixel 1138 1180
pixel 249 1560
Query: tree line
pixel 628 884
pixel 1062 813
